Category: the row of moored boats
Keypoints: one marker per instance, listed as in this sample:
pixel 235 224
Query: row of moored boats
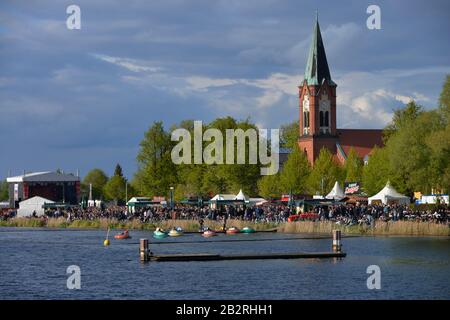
pixel 176 232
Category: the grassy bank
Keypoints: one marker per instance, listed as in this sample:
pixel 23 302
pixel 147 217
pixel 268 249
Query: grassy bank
pixel 381 228
pixel 409 228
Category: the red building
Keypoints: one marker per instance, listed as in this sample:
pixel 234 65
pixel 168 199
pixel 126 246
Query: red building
pixel 317 99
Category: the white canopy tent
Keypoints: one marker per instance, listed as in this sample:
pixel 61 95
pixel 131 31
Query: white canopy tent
pixel 240 196
pixel 34 204
pixel 388 195
pixel 336 193
pixel 223 197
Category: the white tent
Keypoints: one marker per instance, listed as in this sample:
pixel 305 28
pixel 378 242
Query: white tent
pixel 222 197
pixel 34 204
pixel 388 194
pixel 336 193
pixel 240 196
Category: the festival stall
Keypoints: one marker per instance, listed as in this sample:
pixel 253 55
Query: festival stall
pixel 388 195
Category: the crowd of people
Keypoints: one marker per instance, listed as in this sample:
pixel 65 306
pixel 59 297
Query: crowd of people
pixel 367 214
pixel 347 214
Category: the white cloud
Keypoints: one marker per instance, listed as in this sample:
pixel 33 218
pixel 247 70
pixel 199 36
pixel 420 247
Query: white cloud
pixel 204 83
pixel 364 99
pixel 127 63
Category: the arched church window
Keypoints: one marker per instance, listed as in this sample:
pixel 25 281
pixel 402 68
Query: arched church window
pixel 321 118
pixel 326 119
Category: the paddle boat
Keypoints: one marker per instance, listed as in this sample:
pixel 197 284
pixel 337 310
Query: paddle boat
pixel 176 232
pixel 209 233
pixel 232 230
pixel 159 233
pixel 247 230
pixel 123 235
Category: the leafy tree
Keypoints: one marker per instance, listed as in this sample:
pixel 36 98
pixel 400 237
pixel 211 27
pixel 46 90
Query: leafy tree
pixel 156 171
pixel 98 179
pixel 4 194
pixel 115 189
pixel 353 166
pixel 269 186
pixel 444 100
pixel 118 171
pixel 439 142
pixel 295 172
pixel 377 171
pixel 325 173
pixel 402 118
pixel 242 176
pixel 410 155
pixel 289 134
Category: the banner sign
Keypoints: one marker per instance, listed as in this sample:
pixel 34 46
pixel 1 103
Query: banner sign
pixel 352 188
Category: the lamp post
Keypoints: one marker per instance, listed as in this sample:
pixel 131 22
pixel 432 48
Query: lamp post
pixel 126 191
pixel 290 198
pixel 171 198
pixel 322 186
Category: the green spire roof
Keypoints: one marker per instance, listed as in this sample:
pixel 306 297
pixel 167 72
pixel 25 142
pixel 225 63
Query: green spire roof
pixel 317 66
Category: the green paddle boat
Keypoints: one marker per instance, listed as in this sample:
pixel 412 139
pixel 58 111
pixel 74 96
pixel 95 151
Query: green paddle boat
pixel 159 234
pixel 247 230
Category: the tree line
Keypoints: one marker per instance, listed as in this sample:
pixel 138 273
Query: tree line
pixel 415 157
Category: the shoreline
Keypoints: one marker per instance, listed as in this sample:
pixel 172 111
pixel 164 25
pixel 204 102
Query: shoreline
pixel 381 228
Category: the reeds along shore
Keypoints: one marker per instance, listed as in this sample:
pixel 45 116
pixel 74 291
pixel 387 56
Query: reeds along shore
pixel 410 228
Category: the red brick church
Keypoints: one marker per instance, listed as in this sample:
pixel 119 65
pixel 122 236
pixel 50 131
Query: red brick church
pixel 317 96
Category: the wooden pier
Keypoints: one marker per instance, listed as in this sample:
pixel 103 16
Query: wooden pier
pixel 267 256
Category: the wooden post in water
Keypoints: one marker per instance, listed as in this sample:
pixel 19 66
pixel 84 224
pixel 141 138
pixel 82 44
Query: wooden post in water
pixel 337 241
pixel 143 249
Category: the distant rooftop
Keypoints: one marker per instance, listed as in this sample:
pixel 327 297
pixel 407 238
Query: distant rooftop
pixel 44 176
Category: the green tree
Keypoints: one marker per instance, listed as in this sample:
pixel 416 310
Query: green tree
pixel 402 118
pixel 118 170
pixel 353 167
pixel 444 100
pixel 242 176
pixel 4 194
pixel 115 189
pixel 269 186
pixel 410 155
pixel 324 173
pixel 377 171
pixel 289 134
pixel 439 143
pixel 156 171
pixel 98 179
pixel 295 172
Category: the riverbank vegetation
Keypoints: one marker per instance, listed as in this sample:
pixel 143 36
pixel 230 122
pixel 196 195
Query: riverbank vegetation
pixel 407 228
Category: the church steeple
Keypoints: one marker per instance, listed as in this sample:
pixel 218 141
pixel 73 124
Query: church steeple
pixel 317 66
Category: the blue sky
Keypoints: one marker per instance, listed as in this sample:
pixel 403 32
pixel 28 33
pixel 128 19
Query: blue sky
pixel 79 99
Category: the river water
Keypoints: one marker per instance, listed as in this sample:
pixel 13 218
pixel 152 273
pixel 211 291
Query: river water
pixel 33 264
